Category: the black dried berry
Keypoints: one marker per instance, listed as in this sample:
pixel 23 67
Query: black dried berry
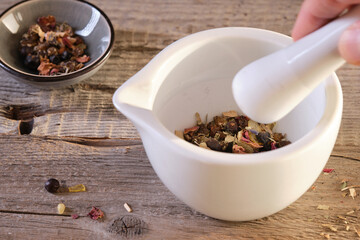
pixel 263 137
pixel 52 185
pixel 214 144
pixel 231 127
pixel 55 59
pixel 242 121
pixel 65 55
pixel 32 62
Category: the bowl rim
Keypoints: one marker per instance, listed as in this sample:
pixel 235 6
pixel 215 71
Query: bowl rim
pixel 58 78
pixel 329 121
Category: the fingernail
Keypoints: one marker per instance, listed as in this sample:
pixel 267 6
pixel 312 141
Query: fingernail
pixel 349 44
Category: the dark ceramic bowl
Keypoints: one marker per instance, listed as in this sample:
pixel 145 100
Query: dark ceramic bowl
pixel 87 20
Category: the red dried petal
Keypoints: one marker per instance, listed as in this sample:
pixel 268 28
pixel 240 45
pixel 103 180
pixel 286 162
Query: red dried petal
pixel 328 170
pixel 46 23
pixel 54 70
pixel 95 213
pixel 273 146
pixel 67 42
pixel 192 129
pixel 238 149
pixel 45 67
pixel 75 216
pixel 83 59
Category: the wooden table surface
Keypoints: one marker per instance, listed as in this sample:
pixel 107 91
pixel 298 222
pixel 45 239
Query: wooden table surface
pixel 77 136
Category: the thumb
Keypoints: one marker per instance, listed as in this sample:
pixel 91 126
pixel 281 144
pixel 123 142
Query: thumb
pixel 349 44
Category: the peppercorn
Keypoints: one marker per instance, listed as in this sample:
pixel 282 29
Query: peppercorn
pixel 65 55
pixel 52 185
pixel 32 62
pixel 55 59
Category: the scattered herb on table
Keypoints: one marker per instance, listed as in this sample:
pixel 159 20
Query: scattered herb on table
pixel 233 133
pixel 61 208
pixel 52 48
pixel 52 185
pixel 127 207
pixel 95 213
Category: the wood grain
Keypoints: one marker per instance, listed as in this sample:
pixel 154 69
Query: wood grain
pixel 76 135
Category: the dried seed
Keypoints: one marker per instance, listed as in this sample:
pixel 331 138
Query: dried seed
pixel 61 208
pixel 52 185
pixel 127 207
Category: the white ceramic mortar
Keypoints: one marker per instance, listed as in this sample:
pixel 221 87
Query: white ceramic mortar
pixel 195 74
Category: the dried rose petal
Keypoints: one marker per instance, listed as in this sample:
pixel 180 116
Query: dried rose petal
pixel 67 42
pixel 75 216
pixel 95 213
pixel 192 129
pixel 45 67
pixel 328 170
pixel 238 149
pixel 46 23
pixel 83 59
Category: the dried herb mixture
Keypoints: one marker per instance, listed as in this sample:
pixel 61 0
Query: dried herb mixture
pixel 52 48
pixel 233 133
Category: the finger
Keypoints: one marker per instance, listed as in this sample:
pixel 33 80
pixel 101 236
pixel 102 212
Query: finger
pixel 316 13
pixel 349 44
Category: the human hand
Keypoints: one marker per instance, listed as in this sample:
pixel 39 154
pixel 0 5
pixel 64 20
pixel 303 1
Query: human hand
pixel 316 13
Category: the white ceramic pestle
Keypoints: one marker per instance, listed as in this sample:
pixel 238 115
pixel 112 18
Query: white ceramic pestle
pixel 269 88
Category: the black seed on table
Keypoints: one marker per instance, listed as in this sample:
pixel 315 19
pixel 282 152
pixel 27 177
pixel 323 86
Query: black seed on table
pixel 52 185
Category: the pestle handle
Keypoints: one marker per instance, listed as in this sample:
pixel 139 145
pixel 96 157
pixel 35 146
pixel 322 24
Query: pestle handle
pixel 270 87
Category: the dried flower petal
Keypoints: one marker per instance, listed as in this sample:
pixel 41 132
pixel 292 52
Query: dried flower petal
pixel 192 129
pixel 95 213
pixel 45 67
pixel 238 149
pixel 323 207
pixel 180 134
pixel 328 170
pixel 83 59
pixel 77 188
pixel 325 235
pixel 334 229
pixel 198 118
pixel 230 114
pixel 75 216
pixel 352 193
